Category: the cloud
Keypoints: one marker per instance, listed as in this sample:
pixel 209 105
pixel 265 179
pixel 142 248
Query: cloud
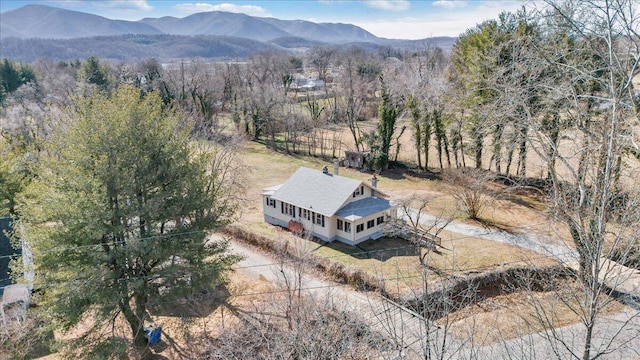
pixel 449 4
pixel 192 8
pixel 127 5
pixel 441 22
pixel 391 5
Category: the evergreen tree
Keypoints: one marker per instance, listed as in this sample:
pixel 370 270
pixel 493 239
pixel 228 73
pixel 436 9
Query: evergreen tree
pixel 119 216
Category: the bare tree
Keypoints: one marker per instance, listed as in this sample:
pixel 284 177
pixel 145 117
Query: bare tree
pixel 590 72
pixel 469 188
pixel 419 320
pixel 297 323
pixel 320 56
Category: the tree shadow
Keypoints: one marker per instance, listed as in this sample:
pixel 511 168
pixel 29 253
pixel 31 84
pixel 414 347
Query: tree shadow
pixel 381 249
pixel 200 305
pixel 495 225
pixel 168 343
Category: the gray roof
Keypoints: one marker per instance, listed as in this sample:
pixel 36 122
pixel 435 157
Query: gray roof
pixel 270 190
pixel 363 208
pixel 316 191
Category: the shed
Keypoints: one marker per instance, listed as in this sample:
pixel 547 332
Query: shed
pixel 355 159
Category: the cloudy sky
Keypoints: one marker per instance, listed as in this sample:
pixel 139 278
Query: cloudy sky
pixel 397 19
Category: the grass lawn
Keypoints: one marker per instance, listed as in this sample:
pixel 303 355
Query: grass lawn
pixel 387 258
pixel 395 261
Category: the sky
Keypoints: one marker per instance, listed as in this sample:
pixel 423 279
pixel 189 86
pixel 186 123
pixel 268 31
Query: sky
pixel 394 19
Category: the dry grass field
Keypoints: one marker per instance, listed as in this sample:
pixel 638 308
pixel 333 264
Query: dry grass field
pixel 390 259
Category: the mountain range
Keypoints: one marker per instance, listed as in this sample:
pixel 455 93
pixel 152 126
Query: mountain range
pixel 42 31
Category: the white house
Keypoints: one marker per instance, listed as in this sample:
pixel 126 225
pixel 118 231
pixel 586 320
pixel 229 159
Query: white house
pixel 328 206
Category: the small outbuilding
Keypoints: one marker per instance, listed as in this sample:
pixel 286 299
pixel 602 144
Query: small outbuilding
pixel 355 159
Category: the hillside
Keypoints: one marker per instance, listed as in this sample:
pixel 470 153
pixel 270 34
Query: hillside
pixel 38 31
pixel 132 47
pixel 40 21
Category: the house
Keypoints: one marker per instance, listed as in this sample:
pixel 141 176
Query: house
pixel 328 206
pixel 7 252
pixel 14 298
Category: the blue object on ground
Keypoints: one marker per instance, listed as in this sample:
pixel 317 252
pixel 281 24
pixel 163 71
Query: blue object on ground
pixel 153 333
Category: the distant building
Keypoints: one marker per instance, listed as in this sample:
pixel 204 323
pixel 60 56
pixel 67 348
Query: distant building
pixel 355 159
pixel 14 298
pixel 328 206
pixel 8 252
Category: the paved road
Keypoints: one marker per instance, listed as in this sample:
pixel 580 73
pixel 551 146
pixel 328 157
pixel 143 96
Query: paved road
pixel 616 337
pixel 407 328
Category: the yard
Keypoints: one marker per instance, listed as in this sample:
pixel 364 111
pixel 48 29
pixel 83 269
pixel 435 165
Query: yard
pixel 393 260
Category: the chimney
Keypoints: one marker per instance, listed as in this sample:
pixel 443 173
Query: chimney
pixel 374 181
pixel 336 166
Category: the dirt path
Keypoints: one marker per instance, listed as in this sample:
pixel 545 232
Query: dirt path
pixel 616 276
pixel 545 246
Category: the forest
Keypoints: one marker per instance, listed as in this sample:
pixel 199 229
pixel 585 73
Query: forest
pixel 544 101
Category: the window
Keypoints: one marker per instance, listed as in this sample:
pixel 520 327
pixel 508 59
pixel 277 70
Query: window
pixel 318 219
pixel 347 227
pixel 379 220
pixel 359 191
pixel 340 224
pixel 271 202
pixel 359 228
pixel 305 214
pixel 288 209
pixel 371 223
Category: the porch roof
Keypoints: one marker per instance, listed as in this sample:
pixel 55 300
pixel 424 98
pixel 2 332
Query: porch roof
pixel 363 208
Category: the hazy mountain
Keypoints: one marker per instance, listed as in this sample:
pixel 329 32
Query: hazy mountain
pixel 326 32
pixel 38 21
pixel 218 23
pixel 36 31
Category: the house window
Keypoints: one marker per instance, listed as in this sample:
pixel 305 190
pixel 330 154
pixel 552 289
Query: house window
pixel 359 228
pixel 305 214
pixel 379 220
pixel 318 219
pixel 347 227
pixel 282 210
pixel 371 223
pixel 340 224
pixel 288 209
pixel 271 202
pixel 359 191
